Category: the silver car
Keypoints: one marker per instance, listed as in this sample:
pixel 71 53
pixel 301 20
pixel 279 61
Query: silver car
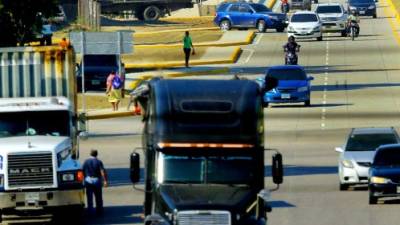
pixel 357 153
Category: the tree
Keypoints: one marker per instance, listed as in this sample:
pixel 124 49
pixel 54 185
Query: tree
pixel 21 19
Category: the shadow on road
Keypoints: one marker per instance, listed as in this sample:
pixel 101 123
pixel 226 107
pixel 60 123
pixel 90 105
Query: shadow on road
pixel 280 204
pixel 311 106
pixel 342 87
pixel 292 170
pixel 127 214
pixel 120 176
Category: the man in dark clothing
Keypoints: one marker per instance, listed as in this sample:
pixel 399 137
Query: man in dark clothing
pixel 291 47
pixel 95 179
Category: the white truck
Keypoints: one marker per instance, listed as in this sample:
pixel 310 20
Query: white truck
pixel 40 174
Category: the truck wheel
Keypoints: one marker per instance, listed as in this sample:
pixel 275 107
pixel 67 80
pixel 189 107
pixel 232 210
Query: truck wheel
pixel 151 13
pixel 319 38
pixel 49 40
pixel 261 27
pixel 307 103
pixel 280 29
pixel 225 25
pixel 42 41
pixel 374 16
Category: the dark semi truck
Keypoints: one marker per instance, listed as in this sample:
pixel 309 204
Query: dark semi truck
pixel 149 10
pixel 203 142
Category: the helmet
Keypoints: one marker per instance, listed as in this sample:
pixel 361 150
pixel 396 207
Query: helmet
pixel 291 39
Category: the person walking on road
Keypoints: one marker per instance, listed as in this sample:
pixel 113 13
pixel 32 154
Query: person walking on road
pixel 95 179
pixel 187 47
pixel 114 89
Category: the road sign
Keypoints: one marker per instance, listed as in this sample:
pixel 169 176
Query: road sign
pixel 102 43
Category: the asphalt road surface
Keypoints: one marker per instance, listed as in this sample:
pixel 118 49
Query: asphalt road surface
pixel 357 84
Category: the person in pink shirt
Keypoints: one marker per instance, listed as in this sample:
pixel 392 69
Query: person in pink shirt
pixel 114 89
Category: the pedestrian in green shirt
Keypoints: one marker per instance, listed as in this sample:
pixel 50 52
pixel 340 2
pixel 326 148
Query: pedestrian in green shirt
pixel 187 47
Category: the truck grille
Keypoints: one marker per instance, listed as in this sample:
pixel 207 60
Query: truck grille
pixel 30 170
pixel 204 218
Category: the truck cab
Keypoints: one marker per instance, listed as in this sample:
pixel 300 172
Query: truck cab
pixel 203 143
pixel 39 170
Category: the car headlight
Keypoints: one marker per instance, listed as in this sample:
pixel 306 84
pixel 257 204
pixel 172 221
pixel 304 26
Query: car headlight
pixel 371 7
pixel 352 8
pixel 317 29
pixel 379 180
pixel 302 89
pixel 347 163
pixel 272 17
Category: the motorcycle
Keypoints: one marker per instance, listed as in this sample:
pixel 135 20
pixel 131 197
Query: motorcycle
pixel 291 56
pixel 353 27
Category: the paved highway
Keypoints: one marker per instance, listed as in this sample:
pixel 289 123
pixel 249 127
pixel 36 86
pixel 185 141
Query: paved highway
pixel 357 84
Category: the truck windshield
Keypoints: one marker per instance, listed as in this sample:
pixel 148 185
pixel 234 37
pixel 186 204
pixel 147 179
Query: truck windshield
pixel 52 123
pixel 101 60
pixel 202 170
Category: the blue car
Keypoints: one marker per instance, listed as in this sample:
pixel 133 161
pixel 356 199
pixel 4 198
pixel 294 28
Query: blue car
pixel 249 15
pixel 363 7
pixel 293 85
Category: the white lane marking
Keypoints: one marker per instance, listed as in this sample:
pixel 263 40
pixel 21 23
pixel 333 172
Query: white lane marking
pixel 258 39
pixel 324 96
pixel 249 56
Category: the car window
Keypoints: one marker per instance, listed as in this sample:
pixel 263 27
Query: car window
pixel 222 7
pixel 369 142
pixel 260 8
pixel 245 9
pixel 234 8
pixel 329 9
pixel 299 18
pixel 387 157
pixel 287 74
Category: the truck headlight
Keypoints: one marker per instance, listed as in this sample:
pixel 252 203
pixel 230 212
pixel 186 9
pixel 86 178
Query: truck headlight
pixel 371 7
pixel 302 89
pixel 379 180
pixel 347 163
pixel 72 176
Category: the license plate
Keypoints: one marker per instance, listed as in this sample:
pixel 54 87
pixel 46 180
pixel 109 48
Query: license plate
pixel 362 12
pixel 285 96
pixel 95 82
pixel 32 197
pixel 398 189
pixel 328 26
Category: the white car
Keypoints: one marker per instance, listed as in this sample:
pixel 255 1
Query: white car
pixel 333 17
pixel 305 24
pixel 358 153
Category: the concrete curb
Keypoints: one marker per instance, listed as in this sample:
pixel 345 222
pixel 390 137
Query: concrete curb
pixel 133 84
pixel 163 65
pixel 108 115
pixel 249 39
pixel 397 20
pixel 143 33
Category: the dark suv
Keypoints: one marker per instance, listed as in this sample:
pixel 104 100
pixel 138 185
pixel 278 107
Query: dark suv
pixel 385 173
pixel 249 15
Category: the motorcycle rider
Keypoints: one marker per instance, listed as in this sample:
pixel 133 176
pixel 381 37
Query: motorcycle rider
pixel 353 18
pixel 291 47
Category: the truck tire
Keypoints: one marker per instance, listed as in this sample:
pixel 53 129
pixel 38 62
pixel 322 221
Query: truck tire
pixel 151 13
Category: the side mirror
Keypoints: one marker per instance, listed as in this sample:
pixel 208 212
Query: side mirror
pixel 310 78
pixel 135 167
pixel 339 149
pixel 277 168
